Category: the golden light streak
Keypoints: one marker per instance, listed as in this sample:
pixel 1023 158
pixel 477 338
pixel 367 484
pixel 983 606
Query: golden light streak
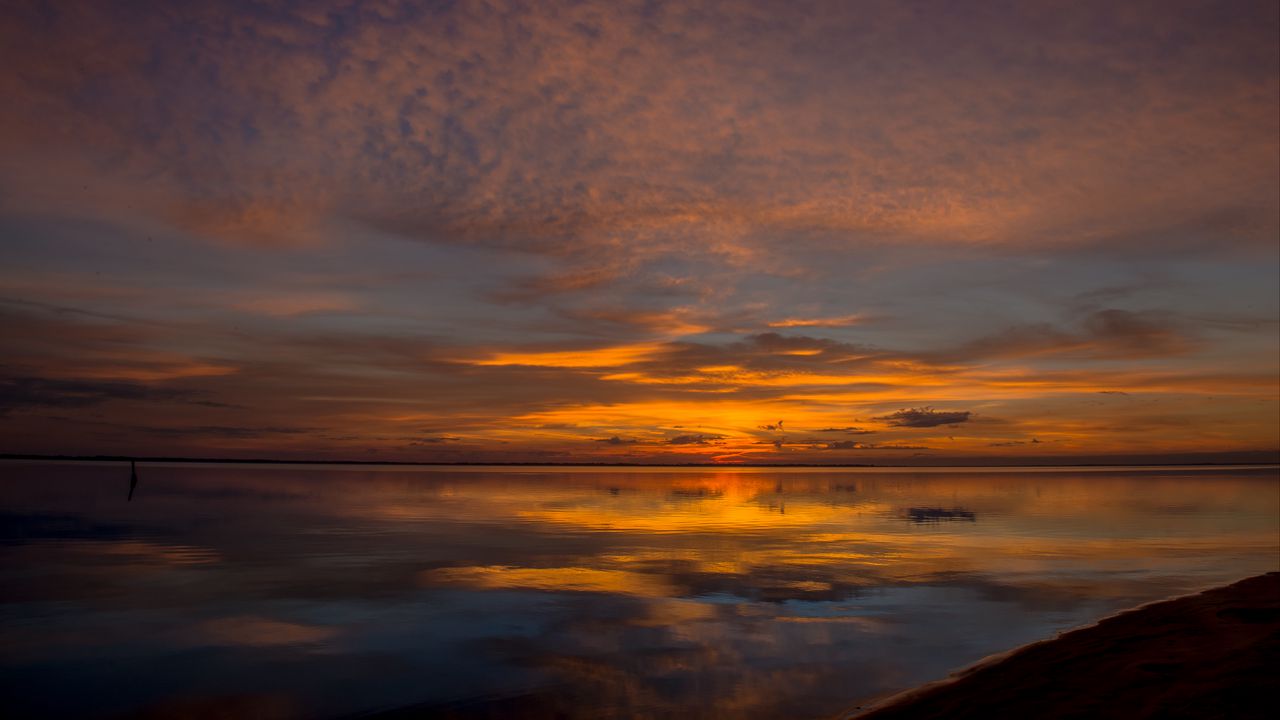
pixel 823 322
pixel 573 579
pixel 590 358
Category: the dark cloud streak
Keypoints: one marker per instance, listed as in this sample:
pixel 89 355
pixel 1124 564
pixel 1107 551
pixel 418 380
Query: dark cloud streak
pixel 925 417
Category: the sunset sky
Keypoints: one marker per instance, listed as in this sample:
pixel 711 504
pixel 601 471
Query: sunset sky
pixel 760 232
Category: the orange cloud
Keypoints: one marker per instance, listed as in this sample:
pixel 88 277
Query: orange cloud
pixel 587 358
pixel 822 322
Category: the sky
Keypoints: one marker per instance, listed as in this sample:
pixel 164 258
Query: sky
pixel 732 232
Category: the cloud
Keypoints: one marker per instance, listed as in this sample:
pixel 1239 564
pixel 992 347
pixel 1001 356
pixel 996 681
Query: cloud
pixel 599 357
pixel 699 439
pixel 540 287
pixel 854 445
pixel 492 124
pixel 223 431
pixel 670 322
pixel 370 216
pixel 1128 333
pixel 1101 334
pixel 189 432
pixel 925 417
pixel 820 322
pixel 293 305
pixel 794 345
pixel 616 440
pixel 846 430
pixel 27 392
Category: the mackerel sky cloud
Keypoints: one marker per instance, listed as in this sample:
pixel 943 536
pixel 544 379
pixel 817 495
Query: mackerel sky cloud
pixel 522 231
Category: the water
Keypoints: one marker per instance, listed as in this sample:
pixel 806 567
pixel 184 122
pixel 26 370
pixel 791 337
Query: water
pixel 306 591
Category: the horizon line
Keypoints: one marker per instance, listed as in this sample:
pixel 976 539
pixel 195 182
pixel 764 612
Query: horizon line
pixel 428 463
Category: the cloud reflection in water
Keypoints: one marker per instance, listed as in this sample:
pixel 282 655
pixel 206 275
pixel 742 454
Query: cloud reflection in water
pixel 584 592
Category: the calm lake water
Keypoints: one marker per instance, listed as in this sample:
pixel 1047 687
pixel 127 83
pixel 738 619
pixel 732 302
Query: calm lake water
pixel 315 592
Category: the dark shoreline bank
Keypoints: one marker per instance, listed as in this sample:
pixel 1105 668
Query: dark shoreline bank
pixel 1213 654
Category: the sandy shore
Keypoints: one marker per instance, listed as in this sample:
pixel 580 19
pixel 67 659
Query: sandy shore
pixel 1211 655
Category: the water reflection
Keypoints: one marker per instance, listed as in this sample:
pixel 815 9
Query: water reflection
pixel 310 592
pixel 934 515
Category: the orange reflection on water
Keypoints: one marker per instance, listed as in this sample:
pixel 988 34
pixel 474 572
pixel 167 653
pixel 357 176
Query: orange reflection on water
pixel 841 528
pixel 744 592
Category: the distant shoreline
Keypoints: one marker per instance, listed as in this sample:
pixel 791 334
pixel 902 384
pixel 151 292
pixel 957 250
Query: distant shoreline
pixel 411 463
